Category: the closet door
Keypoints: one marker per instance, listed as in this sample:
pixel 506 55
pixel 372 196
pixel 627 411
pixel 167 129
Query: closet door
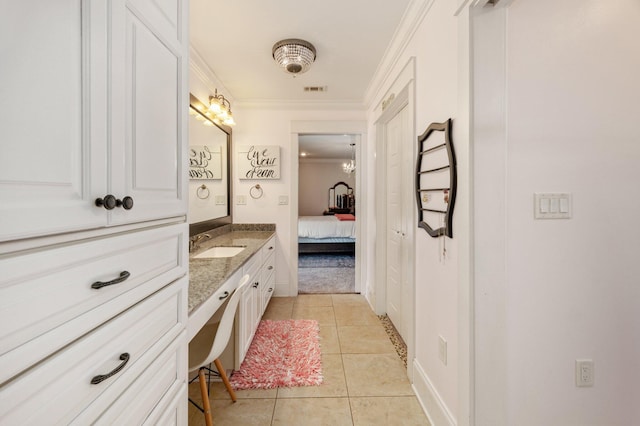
pixel 52 117
pixel 398 289
pixel 149 108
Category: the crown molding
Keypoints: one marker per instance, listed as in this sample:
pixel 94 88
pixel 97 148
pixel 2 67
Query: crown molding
pixel 301 105
pixel 411 20
pixel 206 74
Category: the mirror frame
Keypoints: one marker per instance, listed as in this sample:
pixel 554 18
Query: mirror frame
pixel 207 225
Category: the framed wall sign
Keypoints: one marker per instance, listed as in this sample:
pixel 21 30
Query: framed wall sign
pixel 205 162
pixel 436 180
pixel 259 162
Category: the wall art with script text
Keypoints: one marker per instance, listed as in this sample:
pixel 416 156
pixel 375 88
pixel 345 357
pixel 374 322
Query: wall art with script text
pixel 259 162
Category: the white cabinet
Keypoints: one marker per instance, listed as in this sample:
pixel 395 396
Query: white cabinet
pixel 50 296
pixel 255 298
pixel 93 102
pixel 145 342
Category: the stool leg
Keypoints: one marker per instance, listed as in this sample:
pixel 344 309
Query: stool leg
pixel 223 374
pixel 205 398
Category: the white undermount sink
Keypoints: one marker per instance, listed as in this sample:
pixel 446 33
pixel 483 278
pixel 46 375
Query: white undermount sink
pixel 219 252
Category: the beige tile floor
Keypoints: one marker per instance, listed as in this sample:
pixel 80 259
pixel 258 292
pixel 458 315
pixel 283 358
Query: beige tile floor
pixel 365 382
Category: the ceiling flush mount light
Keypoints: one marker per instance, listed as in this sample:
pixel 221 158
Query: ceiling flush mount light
pixel 220 108
pixel 295 56
pixel 350 167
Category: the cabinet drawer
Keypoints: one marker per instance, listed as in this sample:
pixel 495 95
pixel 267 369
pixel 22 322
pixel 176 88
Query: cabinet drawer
pixel 172 413
pixel 152 391
pixel 268 287
pixel 252 265
pixel 59 388
pixel 268 266
pixel 269 248
pixel 47 299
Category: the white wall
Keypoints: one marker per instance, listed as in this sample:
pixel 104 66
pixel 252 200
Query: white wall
pixel 315 177
pixel 436 47
pixel 564 289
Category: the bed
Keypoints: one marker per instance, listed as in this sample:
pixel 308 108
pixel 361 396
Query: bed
pixel 326 234
pixel 335 231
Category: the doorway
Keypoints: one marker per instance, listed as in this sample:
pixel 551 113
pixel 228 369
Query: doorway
pixel 330 127
pixel 326 213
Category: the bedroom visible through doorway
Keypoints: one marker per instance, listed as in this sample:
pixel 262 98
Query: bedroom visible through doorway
pixel 327 213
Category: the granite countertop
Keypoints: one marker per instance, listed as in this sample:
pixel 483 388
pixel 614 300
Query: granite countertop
pixel 206 276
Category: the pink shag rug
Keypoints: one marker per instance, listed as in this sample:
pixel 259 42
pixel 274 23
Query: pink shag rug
pixel 283 353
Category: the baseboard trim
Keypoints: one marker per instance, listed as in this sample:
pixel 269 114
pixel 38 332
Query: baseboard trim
pixel 428 397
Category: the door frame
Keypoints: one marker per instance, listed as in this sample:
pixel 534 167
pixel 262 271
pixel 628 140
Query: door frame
pixel 330 127
pixel 404 99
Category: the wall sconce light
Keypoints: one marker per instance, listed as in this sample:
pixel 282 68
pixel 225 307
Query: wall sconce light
pixel 220 108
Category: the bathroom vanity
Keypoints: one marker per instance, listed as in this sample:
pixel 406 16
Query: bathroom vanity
pixel 213 279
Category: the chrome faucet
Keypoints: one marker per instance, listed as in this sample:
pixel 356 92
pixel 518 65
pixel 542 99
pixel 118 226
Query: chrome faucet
pixel 193 241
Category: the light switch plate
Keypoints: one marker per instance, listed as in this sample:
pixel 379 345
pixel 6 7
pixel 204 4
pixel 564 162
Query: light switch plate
pixel 283 200
pixel 221 200
pixel 552 205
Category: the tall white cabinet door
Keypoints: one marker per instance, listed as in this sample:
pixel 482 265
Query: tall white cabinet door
pixel 150 61
pixel 52 117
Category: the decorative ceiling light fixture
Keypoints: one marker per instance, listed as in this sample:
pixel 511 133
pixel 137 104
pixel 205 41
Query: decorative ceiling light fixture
pixel 220 108
pixel 350 167
pixel 295 56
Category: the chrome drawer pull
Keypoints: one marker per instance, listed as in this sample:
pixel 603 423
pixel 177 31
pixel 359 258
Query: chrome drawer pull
pixel 123 276
pixel 224 295
pixel 97 379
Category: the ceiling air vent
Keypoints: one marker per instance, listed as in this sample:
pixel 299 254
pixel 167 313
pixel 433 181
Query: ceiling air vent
pixel 315 88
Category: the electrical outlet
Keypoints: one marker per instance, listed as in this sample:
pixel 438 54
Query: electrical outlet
pixel 241 200
pixel 442 350
pixel 221 200
pixel 584 372
pixel 283 200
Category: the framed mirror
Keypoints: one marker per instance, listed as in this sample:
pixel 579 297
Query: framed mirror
pixel 341 198
pixel 209 171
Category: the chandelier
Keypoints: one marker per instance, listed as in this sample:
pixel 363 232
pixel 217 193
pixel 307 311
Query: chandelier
pixel 295 56
pixel 350 167
pixel 220 108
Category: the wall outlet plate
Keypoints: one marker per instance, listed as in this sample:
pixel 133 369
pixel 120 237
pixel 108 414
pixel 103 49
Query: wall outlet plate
pixel 584 372
pixel 442 350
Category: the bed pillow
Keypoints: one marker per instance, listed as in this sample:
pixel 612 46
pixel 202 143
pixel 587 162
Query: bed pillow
pixel 342 216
